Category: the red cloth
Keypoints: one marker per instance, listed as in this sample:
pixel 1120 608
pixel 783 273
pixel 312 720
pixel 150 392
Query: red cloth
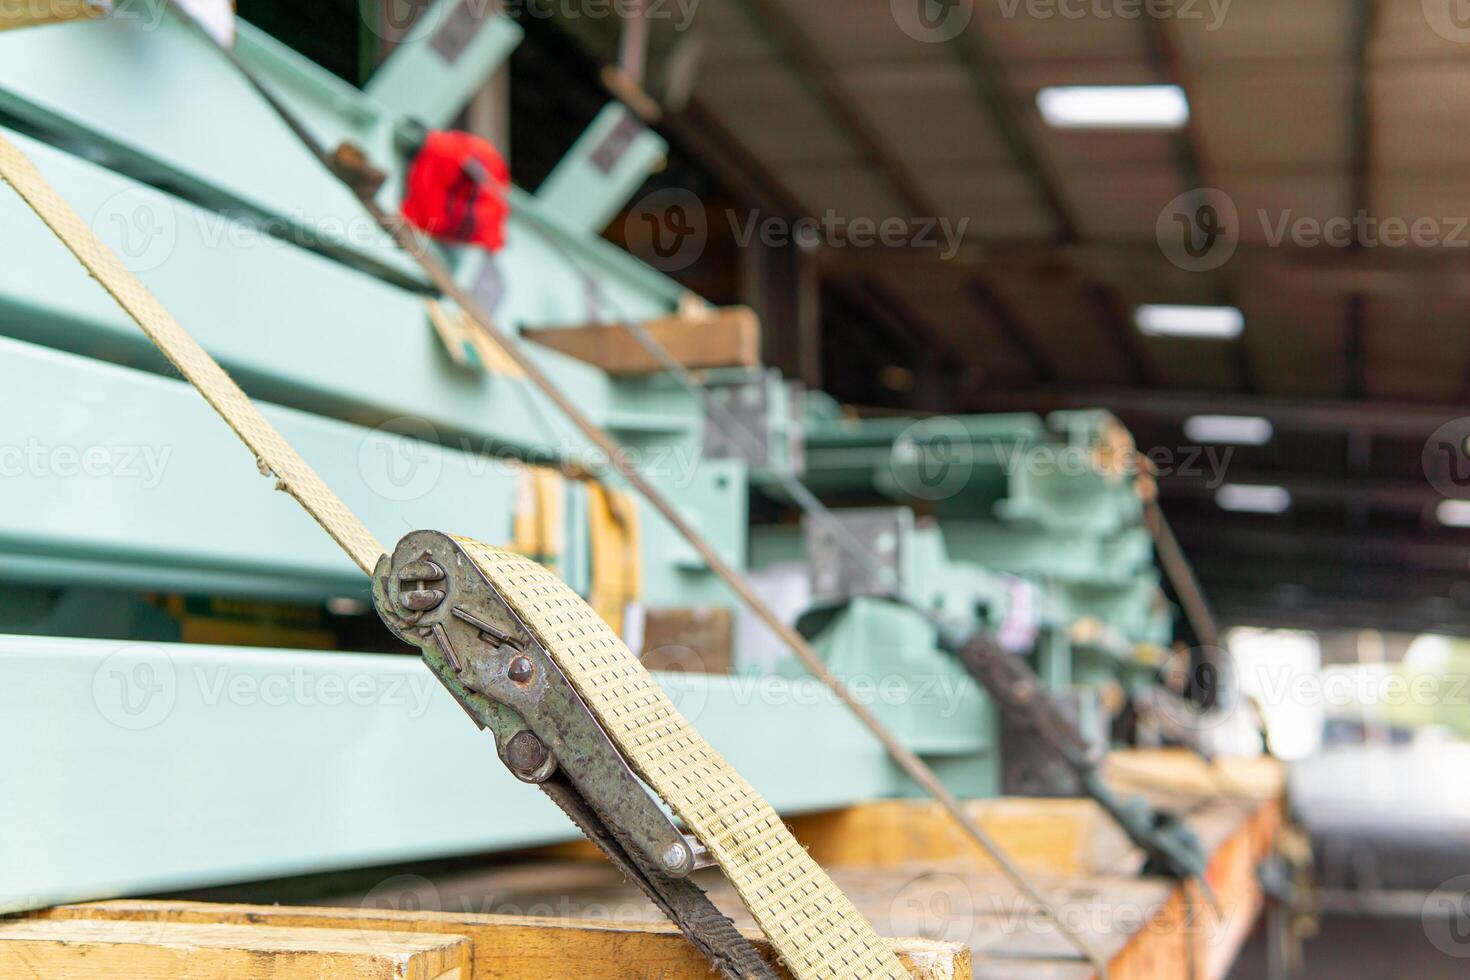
pixel 456 190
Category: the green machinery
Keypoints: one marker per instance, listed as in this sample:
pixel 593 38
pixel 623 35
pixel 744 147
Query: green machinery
pixel 149 758
pixel 990 501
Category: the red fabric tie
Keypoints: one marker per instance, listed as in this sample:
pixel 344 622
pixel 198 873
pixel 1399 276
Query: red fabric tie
pixel 456 190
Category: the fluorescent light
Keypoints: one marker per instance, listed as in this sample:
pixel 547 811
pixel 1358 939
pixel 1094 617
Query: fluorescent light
pixel 1453 513
pixel 1114 106
pixel 1247 499
pixel 1240 430
pixel 1201 322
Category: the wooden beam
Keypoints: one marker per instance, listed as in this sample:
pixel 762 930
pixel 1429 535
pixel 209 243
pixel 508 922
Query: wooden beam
pixel 83 949
pixel 1195 168
pixel 737 168
pixel 33 13
pixel 1360 152
pixel 975 53
pixel 1437 552
pixel 503 947
pixel 1063 836
pixel 1150 928
pixel 1004 316
pixel 1181 772
pixel 772 21
pixel 728 337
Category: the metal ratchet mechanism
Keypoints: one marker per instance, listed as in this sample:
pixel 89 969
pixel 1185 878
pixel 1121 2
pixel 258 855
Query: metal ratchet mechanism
pixel 432 595
pixel 1171 847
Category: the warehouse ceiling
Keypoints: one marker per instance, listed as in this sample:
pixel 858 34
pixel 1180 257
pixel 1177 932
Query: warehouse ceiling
pixel 1354 345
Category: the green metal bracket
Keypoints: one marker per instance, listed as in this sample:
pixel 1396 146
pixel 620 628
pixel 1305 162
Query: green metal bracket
pixel 450 52
pixel 603 169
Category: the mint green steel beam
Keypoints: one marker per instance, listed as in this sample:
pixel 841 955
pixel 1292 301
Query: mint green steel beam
pixel 152 767
pixel 603 169
pixel 143 87
pixel 302 330
pixel 128 475
pixel 449 53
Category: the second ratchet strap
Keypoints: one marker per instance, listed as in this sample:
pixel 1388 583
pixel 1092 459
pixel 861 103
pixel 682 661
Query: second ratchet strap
pixel 813 926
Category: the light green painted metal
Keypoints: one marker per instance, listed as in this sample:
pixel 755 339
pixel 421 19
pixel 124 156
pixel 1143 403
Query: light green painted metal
pixel 1016 494
pixel 154 767
pixel 301 329
pixel 146 91
pixel 306 331
pixel 888 657
pixel 1020 550
pixel 446 57
pixel 129 478
pixel 602 170
pixel 1018 468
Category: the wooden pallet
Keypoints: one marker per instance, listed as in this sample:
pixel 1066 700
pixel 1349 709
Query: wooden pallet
pixel 900 861
pixel 913 873
pixel 488 946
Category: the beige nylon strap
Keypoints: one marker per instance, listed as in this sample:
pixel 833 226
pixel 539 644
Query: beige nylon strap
pixel 271 449
pixel 811 923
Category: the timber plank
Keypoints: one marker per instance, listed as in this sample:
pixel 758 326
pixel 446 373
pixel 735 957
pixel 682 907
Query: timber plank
pixel 1182 772
pixel 507 947
pixel 83 949
pixel 1149 928
pixel 33 13
pixel 727 337
pixel 1051 836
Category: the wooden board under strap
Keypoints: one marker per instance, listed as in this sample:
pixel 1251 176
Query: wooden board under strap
pixel 695 338
pixel 99 949
pixel 506 947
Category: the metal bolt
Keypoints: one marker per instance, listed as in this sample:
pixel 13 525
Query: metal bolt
pixel 413 581
pixel 525 753
pixel 421 570
pixel 677 859
pixel 421 600
pixel 521 670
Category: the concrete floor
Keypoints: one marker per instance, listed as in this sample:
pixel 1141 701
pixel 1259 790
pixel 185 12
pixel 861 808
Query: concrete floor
pixel 1390 824
pixel 1359 948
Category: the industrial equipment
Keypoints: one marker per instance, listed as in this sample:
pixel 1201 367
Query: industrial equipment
pixel 174 627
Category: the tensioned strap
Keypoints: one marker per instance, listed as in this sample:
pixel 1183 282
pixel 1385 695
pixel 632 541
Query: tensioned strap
pixel 814 927
pixel 810 922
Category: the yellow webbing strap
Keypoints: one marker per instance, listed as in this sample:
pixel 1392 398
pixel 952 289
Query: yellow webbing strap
pixel 810 922
pixel 617 572
pixel 539 520
pixel 814 927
